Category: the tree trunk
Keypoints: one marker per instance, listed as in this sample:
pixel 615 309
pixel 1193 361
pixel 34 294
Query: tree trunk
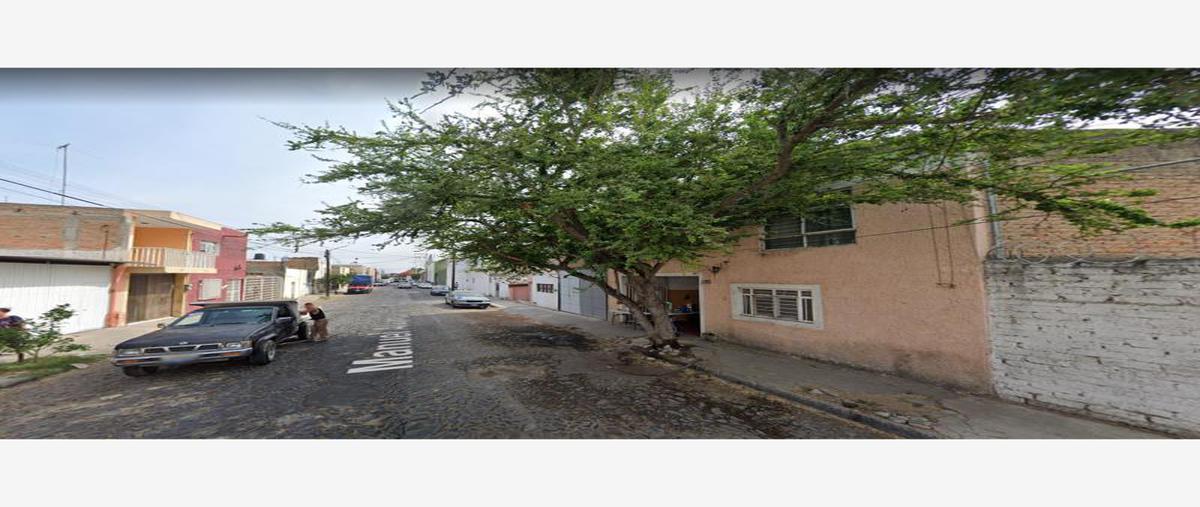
pixel 644 304
pixel 20 357
pixel 658 322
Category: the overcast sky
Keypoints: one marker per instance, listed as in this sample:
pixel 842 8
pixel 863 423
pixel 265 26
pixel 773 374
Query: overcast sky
pixel 193 141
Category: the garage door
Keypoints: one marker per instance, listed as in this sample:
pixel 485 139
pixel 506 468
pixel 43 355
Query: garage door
pixel 584 298
pixel 31 289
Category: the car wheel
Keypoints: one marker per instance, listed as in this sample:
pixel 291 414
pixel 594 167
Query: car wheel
pixel 139 371
pixel 263 354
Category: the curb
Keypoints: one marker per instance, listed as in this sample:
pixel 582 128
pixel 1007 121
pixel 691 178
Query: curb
pixel 879 423
pixel 15 380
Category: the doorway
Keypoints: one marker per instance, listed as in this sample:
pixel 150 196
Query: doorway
pixel 682 292
pixel 150 297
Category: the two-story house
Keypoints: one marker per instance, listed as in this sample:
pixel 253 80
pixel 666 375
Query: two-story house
pixel 113 266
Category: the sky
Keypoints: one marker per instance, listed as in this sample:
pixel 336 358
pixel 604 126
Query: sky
pixel 195 141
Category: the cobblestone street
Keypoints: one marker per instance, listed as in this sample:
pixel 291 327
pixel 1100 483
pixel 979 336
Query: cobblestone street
pixel 475 374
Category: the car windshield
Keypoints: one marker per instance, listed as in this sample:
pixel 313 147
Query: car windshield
pixel 459 293
pixel 226 316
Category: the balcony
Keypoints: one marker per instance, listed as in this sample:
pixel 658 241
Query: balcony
pixel 171 260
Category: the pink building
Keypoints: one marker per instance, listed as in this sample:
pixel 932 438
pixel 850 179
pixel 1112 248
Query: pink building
pixel 229 246
pixel 853 288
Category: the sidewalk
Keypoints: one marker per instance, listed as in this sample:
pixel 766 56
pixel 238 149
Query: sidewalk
pixel 899 405
pixel 103 340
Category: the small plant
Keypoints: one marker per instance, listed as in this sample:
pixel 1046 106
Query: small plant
pixel 43 334
pixel 336 281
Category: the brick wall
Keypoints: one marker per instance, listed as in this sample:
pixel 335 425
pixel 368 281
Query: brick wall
pixel 67 228
pixel 1113 341
pixel 1175 184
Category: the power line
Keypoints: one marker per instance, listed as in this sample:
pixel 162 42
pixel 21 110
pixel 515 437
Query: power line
pixel 47 199
pixel 15 169
pixel 66 196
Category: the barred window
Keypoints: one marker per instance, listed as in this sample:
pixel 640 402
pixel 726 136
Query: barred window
pixel 786 303
pixel 545 287
pixel 824 227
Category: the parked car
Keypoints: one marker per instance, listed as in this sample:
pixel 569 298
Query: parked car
pixel 438 290
pixel 424 285
pixel 404 285
pixel 217 332
pixel 468 299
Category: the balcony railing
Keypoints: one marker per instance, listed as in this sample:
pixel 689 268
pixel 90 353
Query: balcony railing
pixel 172 258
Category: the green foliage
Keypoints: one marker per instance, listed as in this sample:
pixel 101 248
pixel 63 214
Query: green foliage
pixel 626 169
pixel 43 334
pixel 337 280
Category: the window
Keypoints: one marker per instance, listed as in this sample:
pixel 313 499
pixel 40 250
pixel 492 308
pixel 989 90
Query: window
pixel 210 247
pixel 825 227
pixel 795 304
pixel 210 288
pixel 233 292
pixel 545 287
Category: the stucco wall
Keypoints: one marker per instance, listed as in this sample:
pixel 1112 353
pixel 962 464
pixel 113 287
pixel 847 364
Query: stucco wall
pixel 548 300
pixel 1114 341
pixel 162 237
pixel 231 260
pixel 904 299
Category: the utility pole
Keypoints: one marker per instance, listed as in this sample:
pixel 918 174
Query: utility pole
pixel 328 273
pixel 63 197
pixel 452 270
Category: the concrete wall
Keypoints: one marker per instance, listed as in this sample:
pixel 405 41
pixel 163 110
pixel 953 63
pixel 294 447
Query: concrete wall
pixel 548 300
pixel 1113 341
pixel 468 278
pixel 295 283
pixel 903 299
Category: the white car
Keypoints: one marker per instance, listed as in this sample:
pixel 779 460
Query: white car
pixel 468 299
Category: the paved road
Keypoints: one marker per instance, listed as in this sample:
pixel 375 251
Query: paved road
pixel 474 374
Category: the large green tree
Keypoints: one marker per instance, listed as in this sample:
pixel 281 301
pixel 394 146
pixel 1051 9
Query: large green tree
pixel 598 170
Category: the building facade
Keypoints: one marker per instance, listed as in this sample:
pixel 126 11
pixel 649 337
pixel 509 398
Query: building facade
pixel 290 282
pixel 229 246
pixel 850 290
pixel 113 266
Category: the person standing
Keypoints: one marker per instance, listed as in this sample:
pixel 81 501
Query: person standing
pixel 320 331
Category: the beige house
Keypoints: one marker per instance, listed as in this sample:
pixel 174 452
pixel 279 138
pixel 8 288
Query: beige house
pixel 910 290
pixel 854 290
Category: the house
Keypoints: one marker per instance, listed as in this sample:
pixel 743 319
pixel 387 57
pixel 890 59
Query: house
pixel 113 266
pixel 516 289
pixel 1027 309
pixel 313 266
pixel 289 282
pixel 357 269
pixel 845 287
pixel 461 274
pixel 561 291
pixel 229 247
